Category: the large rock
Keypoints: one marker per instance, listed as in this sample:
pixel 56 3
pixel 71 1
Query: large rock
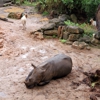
pixel 63 17
pixel 95 41
pixel 80 45
pixel 51 32
pixel 97 35
pixel 55 20
pixel 37 35
pixel 74 37
pixel 86 39
pixel 14 15
pixel 5 2
pixel 48 26
pixel 73 18
pixel 1 3
pixel 74 29
pixel 65 35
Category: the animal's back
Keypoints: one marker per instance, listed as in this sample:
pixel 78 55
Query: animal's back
pixel 58 66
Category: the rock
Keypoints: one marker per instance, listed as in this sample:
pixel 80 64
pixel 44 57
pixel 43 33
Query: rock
pixel 48 26
pixel 74 37
pixel 14 15
pixel 65 35
pixel 51 32
pixel 73 18
pixel 63 17
pixel 69 42
pixel 55 20
pixel 38 35
pixel 97 35
pixel 95 41
pixel 93 97
pixel 60 24
pixel 85 38
pixel 80 45
pixel 4 2
pixel 74 29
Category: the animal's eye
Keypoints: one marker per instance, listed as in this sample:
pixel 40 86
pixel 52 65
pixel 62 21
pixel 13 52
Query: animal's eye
pixel 30 80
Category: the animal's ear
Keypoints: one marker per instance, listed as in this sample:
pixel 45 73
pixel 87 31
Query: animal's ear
pixel 43 70
pixel 26 15
pixel 34 66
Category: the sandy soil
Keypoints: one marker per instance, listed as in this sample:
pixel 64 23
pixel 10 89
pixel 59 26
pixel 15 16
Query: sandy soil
pixel 20 50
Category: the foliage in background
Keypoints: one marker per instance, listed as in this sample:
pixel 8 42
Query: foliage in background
pixel 85 7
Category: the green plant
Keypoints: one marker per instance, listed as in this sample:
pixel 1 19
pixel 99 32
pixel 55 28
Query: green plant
pixel 54 36
pixel 68 22
pixel 63 41
pixel 45 13
pixel 88 30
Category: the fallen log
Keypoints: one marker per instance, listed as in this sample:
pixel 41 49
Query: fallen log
pixel 5 19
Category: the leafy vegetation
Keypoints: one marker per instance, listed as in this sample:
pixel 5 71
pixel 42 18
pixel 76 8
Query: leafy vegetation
pixel 45 13
pixel 84 8
pixel 88 29
pixel 63 41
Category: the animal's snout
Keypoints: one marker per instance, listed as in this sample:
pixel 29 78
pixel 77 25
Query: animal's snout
pixel 26 82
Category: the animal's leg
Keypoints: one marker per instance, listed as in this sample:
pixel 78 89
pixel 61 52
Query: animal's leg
pixel 43 83
pixel 24 26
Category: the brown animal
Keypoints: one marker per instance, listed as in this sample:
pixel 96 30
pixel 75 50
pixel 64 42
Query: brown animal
pixel 56 67
pixel 61 29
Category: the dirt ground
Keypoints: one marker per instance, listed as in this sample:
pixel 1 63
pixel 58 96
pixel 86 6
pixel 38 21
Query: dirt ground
pixel 20 50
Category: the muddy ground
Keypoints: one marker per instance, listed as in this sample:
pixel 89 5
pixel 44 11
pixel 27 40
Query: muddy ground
pixel 20 50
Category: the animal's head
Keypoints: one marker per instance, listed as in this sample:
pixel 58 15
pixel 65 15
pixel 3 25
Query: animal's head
pixel 91 20
pixel 34 77
pixel 24 14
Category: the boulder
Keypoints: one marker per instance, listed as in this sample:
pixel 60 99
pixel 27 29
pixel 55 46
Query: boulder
pixel 97 35
pixel 95 41
pixel 55 20
pixel 63 17
pixel 85 38
pixel 1 3
pixel 74 37
pixel 48 26
pixel 38 35
pixel 6 1
pixel 80 45
pixel 73 18
pixel 51 32
pixel 74 29
pixel 14 15
pixel 65 35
